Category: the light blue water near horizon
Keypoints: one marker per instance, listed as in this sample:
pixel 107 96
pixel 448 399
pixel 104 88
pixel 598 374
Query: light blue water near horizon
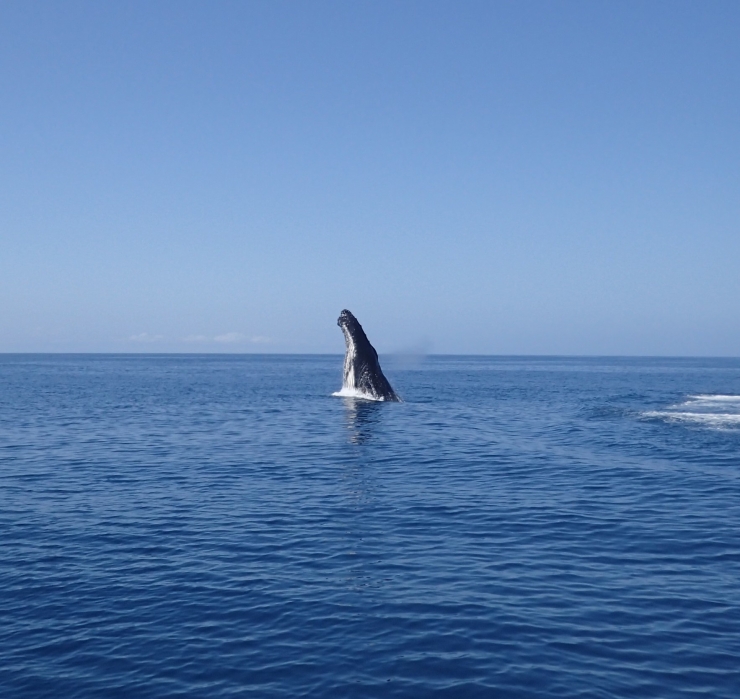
pixel 200 525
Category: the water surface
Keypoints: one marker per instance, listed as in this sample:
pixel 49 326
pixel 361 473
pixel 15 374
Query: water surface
pixel 222 526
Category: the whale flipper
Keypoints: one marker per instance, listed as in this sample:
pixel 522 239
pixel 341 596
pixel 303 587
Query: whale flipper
pixel 363 376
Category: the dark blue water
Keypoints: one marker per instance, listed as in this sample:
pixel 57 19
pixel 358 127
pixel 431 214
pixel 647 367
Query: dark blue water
pixel 192 526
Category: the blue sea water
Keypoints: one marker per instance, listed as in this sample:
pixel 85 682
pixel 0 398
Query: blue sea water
pixel 221 526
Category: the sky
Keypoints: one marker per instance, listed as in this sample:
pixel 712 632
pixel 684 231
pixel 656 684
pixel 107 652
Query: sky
pixel 466 177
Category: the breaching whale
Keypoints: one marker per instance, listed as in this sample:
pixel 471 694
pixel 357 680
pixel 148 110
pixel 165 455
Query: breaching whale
pixel 363 377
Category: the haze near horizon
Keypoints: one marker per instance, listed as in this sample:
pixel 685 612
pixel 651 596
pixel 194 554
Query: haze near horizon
pixel 476 177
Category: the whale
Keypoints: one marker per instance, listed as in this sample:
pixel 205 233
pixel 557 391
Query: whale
pixel 363 377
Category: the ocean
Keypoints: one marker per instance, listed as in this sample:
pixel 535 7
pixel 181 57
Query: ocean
pixel 222 526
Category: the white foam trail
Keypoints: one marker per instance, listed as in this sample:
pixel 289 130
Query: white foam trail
pixel 711 419
pixel 709 410
pixel 709 398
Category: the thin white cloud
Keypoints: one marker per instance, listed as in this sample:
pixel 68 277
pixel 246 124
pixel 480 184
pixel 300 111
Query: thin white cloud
pixel 145 337
pixel 230 337
pixel 196 338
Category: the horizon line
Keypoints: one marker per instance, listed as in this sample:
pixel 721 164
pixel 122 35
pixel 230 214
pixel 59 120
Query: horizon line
pixel 382 354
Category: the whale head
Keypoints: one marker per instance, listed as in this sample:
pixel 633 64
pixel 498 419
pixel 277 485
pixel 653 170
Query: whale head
pixel 347 320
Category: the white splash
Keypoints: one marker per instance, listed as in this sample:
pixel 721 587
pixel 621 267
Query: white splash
pixel 716 411
pixel 351 392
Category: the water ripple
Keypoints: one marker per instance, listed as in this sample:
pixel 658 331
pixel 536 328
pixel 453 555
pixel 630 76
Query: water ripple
pixel 222 526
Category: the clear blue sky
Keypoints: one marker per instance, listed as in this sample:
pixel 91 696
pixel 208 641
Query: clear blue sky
pixel 466 177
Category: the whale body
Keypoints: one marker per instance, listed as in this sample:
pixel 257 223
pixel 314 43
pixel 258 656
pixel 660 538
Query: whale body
pixel 363 377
